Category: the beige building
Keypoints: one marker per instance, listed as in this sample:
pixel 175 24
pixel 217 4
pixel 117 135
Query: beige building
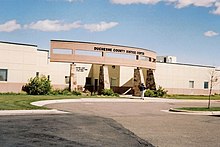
pixel 94 66
pixel 79 64
pixel 97 66
pixel 187 79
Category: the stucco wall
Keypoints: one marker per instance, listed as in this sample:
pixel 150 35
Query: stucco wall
pixel 175 78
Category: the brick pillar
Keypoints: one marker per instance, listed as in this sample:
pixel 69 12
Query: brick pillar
pixel 103 78
pixel 137 82
pixel 138 79
pixel 150 82
pixel 73 79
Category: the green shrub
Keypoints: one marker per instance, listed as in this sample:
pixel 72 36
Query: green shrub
pixel 64 91
pixel 76 93
pixel 56 92
pixel 108 92
pixel 38 86
pixel 12 93
pixel 149 93
pixel 160 92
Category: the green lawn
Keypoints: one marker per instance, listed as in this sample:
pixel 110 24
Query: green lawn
pixel 200 109
pixel 194 97
pixel 22 101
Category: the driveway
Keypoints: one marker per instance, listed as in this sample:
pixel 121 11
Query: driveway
pixel 147 120
pixel 65 130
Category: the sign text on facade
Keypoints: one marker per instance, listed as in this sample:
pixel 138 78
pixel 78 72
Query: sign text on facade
pixel 118 50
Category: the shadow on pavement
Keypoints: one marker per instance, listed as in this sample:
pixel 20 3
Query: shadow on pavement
pixel 65 130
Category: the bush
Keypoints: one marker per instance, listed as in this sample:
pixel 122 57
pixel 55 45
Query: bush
pixel 149 93
pixel 76 93
pixel 38 86
pixel 64 92
pixel 12 93
pixel 160 92
pixel 108 92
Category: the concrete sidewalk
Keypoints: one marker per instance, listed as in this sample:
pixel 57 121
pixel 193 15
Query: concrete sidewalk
pixel 30 112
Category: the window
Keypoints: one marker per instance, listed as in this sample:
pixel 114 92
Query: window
pixel 3 74
pixel 88 81
pixel 37 74
pixel 62 51
pixel 144 58
pixel 67 79
pixel 121 56
pixel 191 84
pixel 113 81
pixel 88 53
pixel 206 85
pixel 165 60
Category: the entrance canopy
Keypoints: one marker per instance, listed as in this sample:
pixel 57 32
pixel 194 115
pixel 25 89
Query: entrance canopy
pixel 97 53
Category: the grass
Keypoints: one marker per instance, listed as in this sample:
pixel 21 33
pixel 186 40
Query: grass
pixel 200 108
pixel 22 101
pixel 194 97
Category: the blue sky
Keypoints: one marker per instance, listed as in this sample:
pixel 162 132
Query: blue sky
pixel 187 29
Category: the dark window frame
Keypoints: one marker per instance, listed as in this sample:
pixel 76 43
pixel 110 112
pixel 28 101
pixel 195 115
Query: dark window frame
pixel 88 81
pixel 6 75
pixel 206 85
pixel 191 84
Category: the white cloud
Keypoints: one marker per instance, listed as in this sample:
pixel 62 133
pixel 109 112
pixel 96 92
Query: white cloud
pixel 56 25
pixel 211 34
pixel 71 1
pixel 217 10
pixel 126 2
pixel 186 3
pixel 9 26
pixel 177 3
pixel 102 26
pixel 52 25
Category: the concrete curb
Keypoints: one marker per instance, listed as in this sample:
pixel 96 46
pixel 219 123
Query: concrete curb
pixel 214 113
pixel 30 112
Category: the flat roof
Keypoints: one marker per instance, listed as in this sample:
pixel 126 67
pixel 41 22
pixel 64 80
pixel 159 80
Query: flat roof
pixel 187 64
pixel 15 43
pixel 101 44
pixel 43 50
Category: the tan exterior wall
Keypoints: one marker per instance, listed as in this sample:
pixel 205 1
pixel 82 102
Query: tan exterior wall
pixel 102 58
pixel 81 75
pixel 126 76
pixel 57 72
pixel 22 63
pixel 175 78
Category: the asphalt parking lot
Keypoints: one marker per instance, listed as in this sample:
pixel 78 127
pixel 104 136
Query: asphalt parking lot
pixel 147 120
pixel 69 130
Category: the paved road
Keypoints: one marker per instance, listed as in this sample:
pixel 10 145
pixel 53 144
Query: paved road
pixel 147 121
pixel 65 130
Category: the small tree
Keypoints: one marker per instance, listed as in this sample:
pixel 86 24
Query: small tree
pixel 213 82
pixel 38 86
